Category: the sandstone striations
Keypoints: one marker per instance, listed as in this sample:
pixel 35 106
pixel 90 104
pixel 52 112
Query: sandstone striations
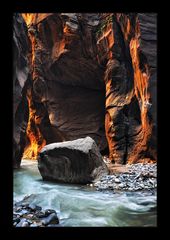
pixel 21 80
pixel 91 75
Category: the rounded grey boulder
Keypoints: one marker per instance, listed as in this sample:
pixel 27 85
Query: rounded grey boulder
pixel 77 161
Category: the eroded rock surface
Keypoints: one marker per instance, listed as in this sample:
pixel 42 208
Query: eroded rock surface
pixel 20 84
pixel 93 75
pixel 77 161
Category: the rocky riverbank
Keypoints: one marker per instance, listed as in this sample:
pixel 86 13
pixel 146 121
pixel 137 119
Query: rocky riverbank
pixel 135 177
pixel 31 215
pixel 140 177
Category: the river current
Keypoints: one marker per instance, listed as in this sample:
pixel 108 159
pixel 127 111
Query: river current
pixel 83 206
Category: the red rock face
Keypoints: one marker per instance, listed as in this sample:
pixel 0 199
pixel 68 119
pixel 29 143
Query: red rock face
pixel 20 83
pixel 129 77
pixel 93 75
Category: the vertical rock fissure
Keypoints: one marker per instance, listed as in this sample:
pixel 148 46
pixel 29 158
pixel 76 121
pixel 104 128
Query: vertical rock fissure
pixel 72 58
pixel 35 138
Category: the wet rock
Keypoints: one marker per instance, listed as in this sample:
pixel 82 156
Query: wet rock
pixel 41 214
pixel 24 205
pixel 23 223
pixel 29 221
pixel 77 161
pixel 54 225
pixel 39 218
pixel 38 208
pixel 121 185
pixel 117 180
pixel 32 206
pixel 52 218
pixel 137 178
pixel 30 215
pixel 14 224
pixel 49 211
pixel 33 225
pixel 16 219
pixel 23 211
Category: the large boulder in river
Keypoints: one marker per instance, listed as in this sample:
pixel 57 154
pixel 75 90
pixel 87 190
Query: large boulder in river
pixel 77 161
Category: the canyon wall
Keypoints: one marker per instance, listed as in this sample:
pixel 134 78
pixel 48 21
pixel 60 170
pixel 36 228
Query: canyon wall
pixel 21 79
pixel 89 75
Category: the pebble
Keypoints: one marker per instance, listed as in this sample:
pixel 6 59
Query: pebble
pixel 34 207
pixel 121 185
pixel 41 214
pixel 21 223
pixel 33 225
pixel 117 180
pixel 34 216
pixel 14 224
pixel 49 211
pixel 30 215
pixel 53 225
pixel 29 221
pixel 16 219
pixel 139 177
pixel 52 218
pixel 25 224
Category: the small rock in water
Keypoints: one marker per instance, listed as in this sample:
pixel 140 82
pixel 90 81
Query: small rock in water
pixel 33 215
pixel 121 185
pixel 41 214
pixel 22 223
pixel 14 224
pixel 32 206
pixel 52 218
pixel 29 221
pixel 49 211
pixel 33 225
pixel 53 225
pixel 30 215
pixel 117 180
pixel 23 211
pixel 25 224
pixel 24 205
pixel 16 219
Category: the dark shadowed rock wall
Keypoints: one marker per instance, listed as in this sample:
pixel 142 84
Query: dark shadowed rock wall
pixel 20 84
pixel 94 75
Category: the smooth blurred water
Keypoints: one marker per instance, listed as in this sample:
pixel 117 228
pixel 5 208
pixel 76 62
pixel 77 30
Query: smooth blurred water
pixel 79 205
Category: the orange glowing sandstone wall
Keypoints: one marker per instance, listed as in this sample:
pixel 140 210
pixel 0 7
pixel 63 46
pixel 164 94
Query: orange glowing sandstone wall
pixel 141 83
pixel 131 34
pixel 36 141
pixel 33 133
pixel 105 40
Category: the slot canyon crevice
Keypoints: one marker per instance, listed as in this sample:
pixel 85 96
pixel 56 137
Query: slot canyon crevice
pixel 85 74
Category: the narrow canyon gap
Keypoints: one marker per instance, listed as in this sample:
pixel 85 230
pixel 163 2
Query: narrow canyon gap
pixel 78 75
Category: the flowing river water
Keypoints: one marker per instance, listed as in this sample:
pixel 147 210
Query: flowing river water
pixel 82 206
